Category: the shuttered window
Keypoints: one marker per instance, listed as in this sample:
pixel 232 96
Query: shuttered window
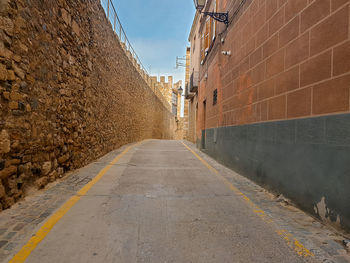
pixel 202 47
pixel 209 34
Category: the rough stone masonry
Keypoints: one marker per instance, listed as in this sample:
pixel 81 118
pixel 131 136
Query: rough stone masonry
pixel 68 93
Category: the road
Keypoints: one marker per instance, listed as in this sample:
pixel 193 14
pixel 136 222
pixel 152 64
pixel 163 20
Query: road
pixel 159 201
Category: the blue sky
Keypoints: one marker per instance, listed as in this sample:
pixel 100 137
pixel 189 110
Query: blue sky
pixel 158 30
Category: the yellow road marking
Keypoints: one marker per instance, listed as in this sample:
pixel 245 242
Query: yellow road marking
pixel 292 242
pixel 27 249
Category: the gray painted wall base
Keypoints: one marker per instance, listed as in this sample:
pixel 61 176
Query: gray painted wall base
pixel 308 160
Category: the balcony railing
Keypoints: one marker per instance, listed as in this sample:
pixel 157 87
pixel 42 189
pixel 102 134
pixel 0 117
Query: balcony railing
pixel 188 93
pixel 194 79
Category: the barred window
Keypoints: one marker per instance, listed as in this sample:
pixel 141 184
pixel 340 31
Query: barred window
pixel 215 96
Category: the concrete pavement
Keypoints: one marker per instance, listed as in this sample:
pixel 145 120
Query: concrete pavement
pixel 160 203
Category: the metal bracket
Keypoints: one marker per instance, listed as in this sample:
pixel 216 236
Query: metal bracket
pixel 179 62
pixel 221 17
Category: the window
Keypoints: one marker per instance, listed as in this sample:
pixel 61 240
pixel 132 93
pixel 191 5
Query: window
pixel 209 34
pixel 194 44
pixel 215 96
pixel 174 103
pixel 202 47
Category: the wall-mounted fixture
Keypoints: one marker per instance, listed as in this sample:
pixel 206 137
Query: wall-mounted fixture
pixel 180 62
pixel 221 17
pixel 226 53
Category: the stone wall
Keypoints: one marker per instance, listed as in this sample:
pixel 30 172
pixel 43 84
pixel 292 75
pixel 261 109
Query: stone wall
pixel 162 88
pixel 68 93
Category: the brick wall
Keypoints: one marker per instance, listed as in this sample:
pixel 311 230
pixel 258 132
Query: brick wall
pixel 192 119
pixel 68 92
pixel 282 117
pixel 290 59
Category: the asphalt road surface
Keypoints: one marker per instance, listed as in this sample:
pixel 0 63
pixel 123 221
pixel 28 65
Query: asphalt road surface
pixel 160 203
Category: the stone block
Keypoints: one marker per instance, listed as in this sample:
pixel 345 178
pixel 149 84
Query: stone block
pixel 338 3
pixel 76 28
pixel 2 191
pixel 3 72
pixel 316 69
pixel 289 32
pixel 292 8
pixel 13 105
pixel 4 7
pixel 7 25
pixel 254 59
pixel 299 103
pixel 6 95
pixel 5 53
pixel 273 6
pixel 341 58
pixel 11 75
pixel 66 16
pixel 5 173
pixel 276 22
pixel 15 96
pixel 46 168
pixel 63 158
pixel 20 23
pixel 30 79
pixel 314 13
pixel 53 176
pixel 16 58
pixel 42 182
pixel 331 96
pixel 5 142
pixel 28 108
pixel 15 161
pixel 277 108
pixel 8 201
pixel 19 72
pixel 330 32
pixel 262 35
pixel 297 50
pixel 266 89
pixel 275 64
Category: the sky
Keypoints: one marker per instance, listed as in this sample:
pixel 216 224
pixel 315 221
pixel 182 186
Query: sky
pixel 158 30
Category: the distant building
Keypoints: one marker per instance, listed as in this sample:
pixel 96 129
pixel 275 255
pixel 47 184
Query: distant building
pixel 163 89
pixel 191 92
pixel 186 105
pixel 176 98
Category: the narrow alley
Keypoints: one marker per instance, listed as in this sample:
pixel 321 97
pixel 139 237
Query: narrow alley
pixel 161 201
pixel 188 131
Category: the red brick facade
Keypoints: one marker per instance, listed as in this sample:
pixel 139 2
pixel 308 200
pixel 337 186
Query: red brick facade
pixel 289 59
